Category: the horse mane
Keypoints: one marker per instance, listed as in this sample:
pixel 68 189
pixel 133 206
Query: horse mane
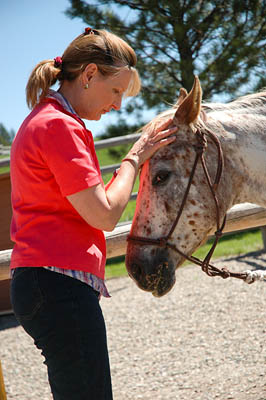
pixel 256 101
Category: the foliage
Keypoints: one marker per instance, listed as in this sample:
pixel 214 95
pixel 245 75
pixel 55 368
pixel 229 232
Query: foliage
pixel 119 129
pixel 5 136
pixel 122 128
pixel 223 42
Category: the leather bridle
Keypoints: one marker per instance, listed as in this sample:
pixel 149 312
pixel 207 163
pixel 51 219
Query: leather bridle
pixel 206 267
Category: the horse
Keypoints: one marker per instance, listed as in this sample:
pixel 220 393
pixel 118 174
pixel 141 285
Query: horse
pixel 186 188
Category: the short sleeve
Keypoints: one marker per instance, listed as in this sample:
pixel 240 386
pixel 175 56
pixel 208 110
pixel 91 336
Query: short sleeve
pixel 70 155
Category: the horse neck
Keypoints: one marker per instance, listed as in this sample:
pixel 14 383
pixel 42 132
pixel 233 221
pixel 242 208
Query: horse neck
pixel 243 139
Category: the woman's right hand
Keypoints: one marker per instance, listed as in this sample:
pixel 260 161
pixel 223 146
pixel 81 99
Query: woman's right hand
pixel 151 141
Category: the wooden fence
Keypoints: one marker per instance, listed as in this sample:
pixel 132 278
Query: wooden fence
pixel 240 217
pixel 6 212
pixel 5 185
pixel 101 144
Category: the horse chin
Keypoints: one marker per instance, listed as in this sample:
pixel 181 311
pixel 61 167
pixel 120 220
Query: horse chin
pixel 163 288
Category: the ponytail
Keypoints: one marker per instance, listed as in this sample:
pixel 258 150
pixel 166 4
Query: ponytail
pixel 43 76
pixel 109 52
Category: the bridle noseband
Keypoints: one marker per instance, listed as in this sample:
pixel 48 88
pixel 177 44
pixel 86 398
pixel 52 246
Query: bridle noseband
pixel 209 269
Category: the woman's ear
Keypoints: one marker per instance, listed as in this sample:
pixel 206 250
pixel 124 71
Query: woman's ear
pixel 89 72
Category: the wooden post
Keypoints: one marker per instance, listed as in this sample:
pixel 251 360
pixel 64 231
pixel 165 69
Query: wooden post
pixel 2 385
pixel 263 233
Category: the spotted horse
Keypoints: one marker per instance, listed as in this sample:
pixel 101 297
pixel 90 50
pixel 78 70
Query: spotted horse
pixel 217 160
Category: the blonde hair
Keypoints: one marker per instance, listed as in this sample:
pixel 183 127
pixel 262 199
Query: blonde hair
pixel 109 52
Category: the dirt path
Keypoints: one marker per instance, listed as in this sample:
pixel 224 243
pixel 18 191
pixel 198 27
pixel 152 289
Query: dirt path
pixel 205 340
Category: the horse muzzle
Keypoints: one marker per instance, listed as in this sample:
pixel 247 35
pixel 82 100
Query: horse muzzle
pixel 151 269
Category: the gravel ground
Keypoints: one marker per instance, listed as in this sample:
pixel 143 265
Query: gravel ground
pixel 204 340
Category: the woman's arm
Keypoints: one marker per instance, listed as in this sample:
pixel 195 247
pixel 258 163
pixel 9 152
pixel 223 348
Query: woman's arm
pixel 103 209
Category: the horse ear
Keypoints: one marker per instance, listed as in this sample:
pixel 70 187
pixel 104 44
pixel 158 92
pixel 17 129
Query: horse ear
pixel 189 109
pixel 181 97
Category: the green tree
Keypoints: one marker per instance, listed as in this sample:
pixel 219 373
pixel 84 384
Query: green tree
pixel 5 136
pixel 221 41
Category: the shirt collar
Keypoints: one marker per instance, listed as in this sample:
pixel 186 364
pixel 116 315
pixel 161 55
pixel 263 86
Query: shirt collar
pixel 62 100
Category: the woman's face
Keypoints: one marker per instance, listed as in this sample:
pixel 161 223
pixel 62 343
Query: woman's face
pixel 104 94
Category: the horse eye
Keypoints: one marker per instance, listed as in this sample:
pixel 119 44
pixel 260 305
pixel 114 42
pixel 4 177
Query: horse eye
pixel 160 178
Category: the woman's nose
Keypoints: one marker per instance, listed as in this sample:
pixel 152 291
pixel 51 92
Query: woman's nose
pixel 117 104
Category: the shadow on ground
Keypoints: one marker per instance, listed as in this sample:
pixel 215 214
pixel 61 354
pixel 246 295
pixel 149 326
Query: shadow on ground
pixel 257 261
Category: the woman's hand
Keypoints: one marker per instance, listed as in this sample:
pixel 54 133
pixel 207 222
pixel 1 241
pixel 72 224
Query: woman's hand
pixel 152 141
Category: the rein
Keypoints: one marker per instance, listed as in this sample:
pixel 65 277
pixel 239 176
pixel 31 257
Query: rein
pixel 205 265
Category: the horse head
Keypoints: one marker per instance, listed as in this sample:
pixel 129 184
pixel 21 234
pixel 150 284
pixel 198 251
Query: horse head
pixel 163 212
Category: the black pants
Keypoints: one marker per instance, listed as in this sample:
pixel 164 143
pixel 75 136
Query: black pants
pixel 64 318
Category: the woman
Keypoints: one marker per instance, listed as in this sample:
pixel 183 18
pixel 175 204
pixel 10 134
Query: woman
pixel 61 207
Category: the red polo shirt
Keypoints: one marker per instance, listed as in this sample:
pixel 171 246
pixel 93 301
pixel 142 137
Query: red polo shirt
pixel 53 156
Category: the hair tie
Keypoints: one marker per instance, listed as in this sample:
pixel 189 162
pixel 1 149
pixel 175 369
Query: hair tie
pixel 58 62
pixel 90 31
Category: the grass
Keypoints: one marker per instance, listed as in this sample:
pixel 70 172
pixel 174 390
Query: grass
pixel 230 245
pixel 4 170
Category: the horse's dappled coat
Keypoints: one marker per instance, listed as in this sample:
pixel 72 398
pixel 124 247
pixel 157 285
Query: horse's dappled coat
pixel 240 127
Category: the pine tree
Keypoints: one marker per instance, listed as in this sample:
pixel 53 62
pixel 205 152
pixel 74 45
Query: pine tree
pixel 223 42
pixel 5 136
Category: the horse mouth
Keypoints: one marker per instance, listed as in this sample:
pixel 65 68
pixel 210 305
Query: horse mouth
pixel 158 283
pixel 163 287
